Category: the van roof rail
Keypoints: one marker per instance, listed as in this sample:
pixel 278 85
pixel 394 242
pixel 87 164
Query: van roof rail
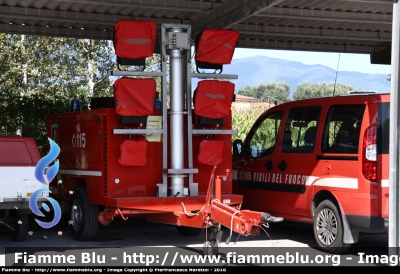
pixel 363 92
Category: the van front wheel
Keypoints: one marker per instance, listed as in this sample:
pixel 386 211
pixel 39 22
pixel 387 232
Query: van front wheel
pixel 328 228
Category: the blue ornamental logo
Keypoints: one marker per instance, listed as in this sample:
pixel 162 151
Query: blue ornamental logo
pixel 45 177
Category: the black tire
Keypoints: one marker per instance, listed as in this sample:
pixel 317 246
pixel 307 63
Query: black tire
pixel 328 228
pixel 189 231
pixel 84 216
pixel 20 224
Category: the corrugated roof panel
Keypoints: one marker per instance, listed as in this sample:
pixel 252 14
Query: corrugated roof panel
pixel 352 23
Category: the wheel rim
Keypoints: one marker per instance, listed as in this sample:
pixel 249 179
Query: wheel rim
pixel 326 227
pixel 76 214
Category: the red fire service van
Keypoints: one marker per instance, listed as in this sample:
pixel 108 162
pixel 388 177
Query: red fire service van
pixel 323 161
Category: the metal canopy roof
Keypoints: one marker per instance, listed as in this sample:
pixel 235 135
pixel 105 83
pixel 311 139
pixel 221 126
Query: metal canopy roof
pixel 354 26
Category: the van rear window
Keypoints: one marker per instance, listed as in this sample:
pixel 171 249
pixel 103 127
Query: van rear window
pixel 342 129
pixel 383 128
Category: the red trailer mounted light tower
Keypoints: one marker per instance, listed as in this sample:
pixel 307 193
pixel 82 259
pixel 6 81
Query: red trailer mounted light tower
pixel 158 163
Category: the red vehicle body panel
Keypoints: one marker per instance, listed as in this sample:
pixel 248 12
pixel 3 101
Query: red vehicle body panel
pixel 90 155
pixel 18 151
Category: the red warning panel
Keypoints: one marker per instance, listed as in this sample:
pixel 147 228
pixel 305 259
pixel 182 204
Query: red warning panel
pixel 211 152
pixel 216 46
pixel 213 98
pixel 134 39
pixel 133 153
pixel 134 96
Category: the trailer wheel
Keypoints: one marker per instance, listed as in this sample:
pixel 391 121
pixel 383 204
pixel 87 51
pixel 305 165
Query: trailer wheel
pixel 20 224
pixel 328 228
pixel 209 248
pixel 188 231
pixel 83 216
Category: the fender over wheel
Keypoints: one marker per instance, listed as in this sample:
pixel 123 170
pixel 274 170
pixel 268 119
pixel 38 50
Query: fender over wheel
pixel 328 228
pixel 84 216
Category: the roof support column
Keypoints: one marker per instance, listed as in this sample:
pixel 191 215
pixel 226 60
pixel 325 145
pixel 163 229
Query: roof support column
pixel 394 191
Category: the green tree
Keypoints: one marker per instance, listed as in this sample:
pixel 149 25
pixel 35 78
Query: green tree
pixel 243 120
pixel 97 65
pixel 267 92
pixel 40 75
pixel 314 90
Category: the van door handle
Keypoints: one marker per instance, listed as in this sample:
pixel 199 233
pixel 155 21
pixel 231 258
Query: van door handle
pixel 269 165
pixel 282 166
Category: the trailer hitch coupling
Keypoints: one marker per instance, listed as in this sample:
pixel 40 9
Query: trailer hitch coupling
pixel 267 218
pixel 244 222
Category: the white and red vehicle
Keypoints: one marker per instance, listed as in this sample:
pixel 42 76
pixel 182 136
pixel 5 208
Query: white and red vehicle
pixel 18 159
pixel 323 161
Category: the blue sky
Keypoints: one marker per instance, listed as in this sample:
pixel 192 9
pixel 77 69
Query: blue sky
pixel 347 62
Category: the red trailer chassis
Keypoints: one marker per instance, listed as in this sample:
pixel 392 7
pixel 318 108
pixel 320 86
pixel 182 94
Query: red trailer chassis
pixel 91 161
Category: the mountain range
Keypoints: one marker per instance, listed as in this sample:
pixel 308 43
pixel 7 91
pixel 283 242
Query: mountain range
pixel 262 69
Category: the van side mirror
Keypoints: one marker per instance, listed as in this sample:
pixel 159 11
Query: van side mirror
pixel 237 147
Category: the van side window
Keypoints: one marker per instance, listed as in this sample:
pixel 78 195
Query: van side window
pixel 263 138
pixel 301 129
pixel 342 129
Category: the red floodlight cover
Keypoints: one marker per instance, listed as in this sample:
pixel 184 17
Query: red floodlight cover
pixel 211 152
pixel 134 97
pixel 133 153
pixel 216 46
pixel 134 39
pixel 213 98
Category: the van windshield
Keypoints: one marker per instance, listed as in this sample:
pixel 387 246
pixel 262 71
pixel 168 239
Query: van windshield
pixel 383 128
pixel 263 137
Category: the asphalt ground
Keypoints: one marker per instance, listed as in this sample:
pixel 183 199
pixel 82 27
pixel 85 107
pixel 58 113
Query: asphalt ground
pixel 135 232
